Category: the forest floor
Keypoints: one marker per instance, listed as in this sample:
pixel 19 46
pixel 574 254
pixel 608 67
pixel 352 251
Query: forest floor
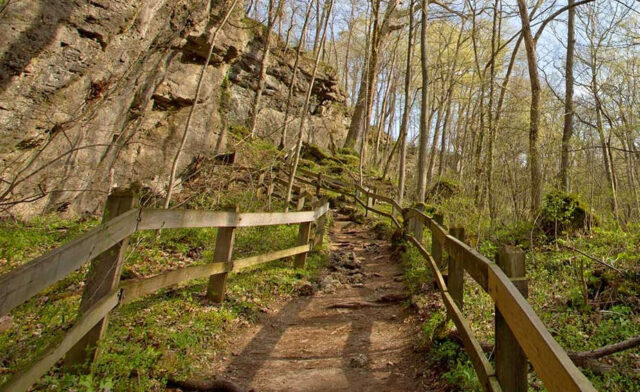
pixel 356 332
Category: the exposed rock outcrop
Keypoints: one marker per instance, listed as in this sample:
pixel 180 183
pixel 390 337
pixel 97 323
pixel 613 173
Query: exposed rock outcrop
pixel 95 93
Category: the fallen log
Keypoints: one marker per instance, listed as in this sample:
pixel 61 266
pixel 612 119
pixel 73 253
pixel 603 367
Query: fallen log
pixel 593 258
pixel 605 350
pixel 586 359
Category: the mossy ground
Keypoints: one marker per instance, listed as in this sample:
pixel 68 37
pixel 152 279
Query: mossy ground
pixel 173 332
pixel 611 314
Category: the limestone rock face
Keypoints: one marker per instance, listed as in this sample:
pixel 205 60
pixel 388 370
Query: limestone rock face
pixel 95 94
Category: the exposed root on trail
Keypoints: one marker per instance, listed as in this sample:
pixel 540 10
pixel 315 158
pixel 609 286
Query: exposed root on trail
pixel 203 385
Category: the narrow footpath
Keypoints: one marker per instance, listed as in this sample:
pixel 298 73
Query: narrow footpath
pixel 355 333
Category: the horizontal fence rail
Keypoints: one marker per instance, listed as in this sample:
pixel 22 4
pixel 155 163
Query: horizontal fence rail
pixel 136 288
pixel 105 245
pixel 518 327
pixel 551 362
pixel 22 283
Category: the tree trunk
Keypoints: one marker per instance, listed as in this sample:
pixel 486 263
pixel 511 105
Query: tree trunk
pixel 348 50
pixel 274 10
pixel 495 41
pixel 387 103
pixel 424 114
pixel 360 111
pixel 534 126
pixel 404 126
pixel 305 109
pixel 285 126
pixel 595 87
pixel 567 131
pixel 434 143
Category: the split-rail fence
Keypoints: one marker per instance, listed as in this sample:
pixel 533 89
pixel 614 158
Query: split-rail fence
pixel 520 335
pixel 105 247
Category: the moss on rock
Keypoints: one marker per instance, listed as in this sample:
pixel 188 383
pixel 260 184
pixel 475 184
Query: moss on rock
pixel 442 190
pixel 314 153
pixel 348 151
pixel 564 212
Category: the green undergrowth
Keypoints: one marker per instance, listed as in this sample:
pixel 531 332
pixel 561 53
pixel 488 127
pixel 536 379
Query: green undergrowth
pixel 441 351
pixel 21 241
pixel 175 331
pixel 584 304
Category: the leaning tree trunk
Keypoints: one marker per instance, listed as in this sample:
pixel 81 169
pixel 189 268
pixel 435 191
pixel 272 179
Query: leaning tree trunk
pixel 424 112
pixel 348 49
pixel 305 108
pixel 274 10
pixel 534 126
pixel 404 126
pixel 361 109
pixel 567 131
pixel 294 73
pixel 185 135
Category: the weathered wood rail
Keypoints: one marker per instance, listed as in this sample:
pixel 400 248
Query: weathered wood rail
pixel 105 247
pixel 520 335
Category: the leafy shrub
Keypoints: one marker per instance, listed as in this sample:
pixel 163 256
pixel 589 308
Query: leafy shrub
pixel 563 213
pixel 239 131
pixel 383 230
pixel 443 190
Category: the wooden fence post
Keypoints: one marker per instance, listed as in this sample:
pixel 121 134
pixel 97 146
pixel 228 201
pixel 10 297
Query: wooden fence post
pixel 304 234
pixel 321 223
pixel 102 278
pixel 297 191
pixel 455 279
pixel 222 254
pixel 272 184
pixel 436 247
pixel 418 225
pixel 319 185
pixel 300 202
pixel 511 361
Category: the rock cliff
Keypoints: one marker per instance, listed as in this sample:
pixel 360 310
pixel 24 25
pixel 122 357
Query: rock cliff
pixel 95 94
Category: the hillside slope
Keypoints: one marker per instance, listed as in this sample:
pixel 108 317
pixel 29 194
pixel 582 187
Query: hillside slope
pixel 94 94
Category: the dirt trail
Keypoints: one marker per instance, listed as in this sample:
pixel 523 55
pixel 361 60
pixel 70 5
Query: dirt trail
pixel 307 345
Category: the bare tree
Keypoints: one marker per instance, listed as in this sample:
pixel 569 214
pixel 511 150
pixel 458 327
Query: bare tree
pixel 567 131
pixel 402 138
pixel 294 74
pixel 185 135
pixel 305 108
pixel 273 13
pixel 421 189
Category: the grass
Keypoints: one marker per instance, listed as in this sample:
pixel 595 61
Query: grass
pixel 20 242
pixel 611 315
pixel 173 332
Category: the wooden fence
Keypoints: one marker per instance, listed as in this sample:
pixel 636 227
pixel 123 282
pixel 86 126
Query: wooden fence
pixel 105 247
pixel 520 335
